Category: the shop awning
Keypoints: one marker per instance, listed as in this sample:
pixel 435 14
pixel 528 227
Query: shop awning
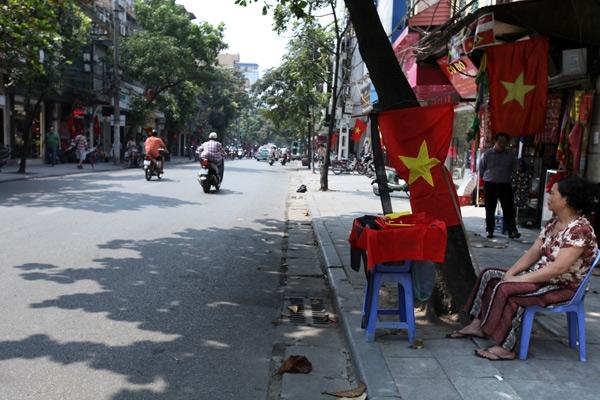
pixel 434 15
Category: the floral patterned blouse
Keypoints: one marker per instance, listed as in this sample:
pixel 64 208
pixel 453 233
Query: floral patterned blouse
pixel 578 233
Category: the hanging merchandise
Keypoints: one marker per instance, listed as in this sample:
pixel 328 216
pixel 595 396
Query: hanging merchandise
pixel 581 113
pixel 521 182
pixel 552 124
pixel 486 139
pixel 562 150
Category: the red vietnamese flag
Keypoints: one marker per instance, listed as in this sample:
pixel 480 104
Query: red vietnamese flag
pixel 417 142
pixel 359 128
pixel 518 76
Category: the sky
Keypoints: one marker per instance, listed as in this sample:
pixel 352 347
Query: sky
pixel 247 31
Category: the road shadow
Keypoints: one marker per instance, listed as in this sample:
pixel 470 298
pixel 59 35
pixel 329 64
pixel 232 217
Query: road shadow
pixel 85 193
pixel 189 286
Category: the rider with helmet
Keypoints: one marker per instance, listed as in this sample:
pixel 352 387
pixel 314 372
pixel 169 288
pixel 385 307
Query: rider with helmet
pixel 152 145
pixel 213 151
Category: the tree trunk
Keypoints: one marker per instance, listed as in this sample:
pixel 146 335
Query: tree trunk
pixel 308 135
pixel 393 89
pixel 334 100
pixel 29 116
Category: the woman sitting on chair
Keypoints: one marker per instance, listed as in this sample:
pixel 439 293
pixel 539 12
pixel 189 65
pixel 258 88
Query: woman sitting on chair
pixel 548 273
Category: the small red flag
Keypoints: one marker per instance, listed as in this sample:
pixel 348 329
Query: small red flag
pixel 518 76
pixel 334 139
pixel 359 128
pixel 484 33
pixel 417 142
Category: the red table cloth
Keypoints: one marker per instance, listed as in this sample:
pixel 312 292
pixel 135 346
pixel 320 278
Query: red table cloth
pixel 416 237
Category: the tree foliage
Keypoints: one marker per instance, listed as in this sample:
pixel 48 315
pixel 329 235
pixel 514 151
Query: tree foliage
pixel 222 103
pixel 302 13
pixel 175 59
pixel 292 96
pixel 38 38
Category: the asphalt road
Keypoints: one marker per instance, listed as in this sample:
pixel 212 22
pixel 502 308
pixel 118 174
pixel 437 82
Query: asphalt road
pixel 113 287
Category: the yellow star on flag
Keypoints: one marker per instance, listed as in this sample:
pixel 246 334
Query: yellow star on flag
pixel 420 167
pixel 517 90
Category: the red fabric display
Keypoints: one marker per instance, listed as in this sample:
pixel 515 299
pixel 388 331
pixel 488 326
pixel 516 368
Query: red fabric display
pixel 415 237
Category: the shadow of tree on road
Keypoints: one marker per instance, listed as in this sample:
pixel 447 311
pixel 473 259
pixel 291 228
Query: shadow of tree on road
pixel 214 292
pixel 84 194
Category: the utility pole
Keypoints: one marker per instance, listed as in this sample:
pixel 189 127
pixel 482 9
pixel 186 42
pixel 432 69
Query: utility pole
pixel 117 86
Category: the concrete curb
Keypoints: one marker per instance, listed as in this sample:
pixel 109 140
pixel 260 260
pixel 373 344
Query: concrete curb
pixel 367 358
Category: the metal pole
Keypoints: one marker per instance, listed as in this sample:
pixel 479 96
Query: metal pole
pixel 384 193
pixel 117 87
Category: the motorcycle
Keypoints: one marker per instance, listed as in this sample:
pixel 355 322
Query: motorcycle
pixel 394 183
pixel 240 154
pixel 4 156
pixel 152 167
pixel 209 175
pixel 284 159
pixel 132 156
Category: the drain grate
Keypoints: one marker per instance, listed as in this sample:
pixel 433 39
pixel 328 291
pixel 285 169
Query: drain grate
pixel 311 311
pixel 298 317
pixel 318 311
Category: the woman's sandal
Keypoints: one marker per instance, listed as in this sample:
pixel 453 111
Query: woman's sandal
pixel 461 335
pixel 488 354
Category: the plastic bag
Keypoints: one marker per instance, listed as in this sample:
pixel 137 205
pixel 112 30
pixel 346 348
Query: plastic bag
pixel 423 279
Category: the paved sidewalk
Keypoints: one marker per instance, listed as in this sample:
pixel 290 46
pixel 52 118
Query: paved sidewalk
pixel 37 169
pixel 445 368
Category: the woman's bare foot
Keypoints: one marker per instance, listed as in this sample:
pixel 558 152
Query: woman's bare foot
pixel 473 329
pixel 495 353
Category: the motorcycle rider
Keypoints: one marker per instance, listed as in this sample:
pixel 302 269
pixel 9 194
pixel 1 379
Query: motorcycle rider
pixel 213 151
pixel 151 146
pixel 132 152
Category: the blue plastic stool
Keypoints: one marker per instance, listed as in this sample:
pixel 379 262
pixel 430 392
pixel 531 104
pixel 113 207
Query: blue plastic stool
pixel 575 318
pixel 401 274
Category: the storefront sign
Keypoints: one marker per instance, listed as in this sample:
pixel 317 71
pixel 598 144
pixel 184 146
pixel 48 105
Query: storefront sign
pixel 461 74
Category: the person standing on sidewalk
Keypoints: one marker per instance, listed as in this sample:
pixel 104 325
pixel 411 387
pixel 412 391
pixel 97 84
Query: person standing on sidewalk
pixel 496 168
pixel 52 141
pixel 80 146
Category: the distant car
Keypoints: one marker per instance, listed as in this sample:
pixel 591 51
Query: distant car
pixel 261 154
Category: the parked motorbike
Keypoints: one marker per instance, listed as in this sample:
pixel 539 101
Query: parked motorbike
pixel 4 156
pixel 209 175
pixel 91 156
pixel 394 183
pixel 68 154
pixel 152 167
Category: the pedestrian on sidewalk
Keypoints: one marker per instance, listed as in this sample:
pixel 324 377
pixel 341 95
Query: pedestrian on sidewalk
pixel 496 168
pixel 80 149
pixel 52 142
pixel 548 273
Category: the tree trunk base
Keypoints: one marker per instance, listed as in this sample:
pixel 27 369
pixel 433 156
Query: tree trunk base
pixel 456 277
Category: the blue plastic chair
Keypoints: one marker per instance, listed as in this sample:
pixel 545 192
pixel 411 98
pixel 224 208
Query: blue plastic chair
pixel 575 318
pixel 400 274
